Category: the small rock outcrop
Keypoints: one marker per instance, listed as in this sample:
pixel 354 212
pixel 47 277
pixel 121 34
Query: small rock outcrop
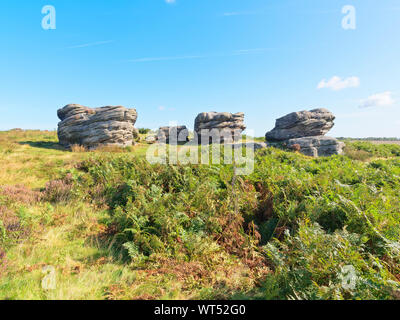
pixel 151 139
pixel 318 146
pixel 228 126
pixel 305 131
pixel 92 128
pixel 173 135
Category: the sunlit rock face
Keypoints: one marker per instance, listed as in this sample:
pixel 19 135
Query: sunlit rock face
pixel 305 131
pixel 316 122
pixel 92 128
pixel 226 125
pixel 319 146
pixel 173 135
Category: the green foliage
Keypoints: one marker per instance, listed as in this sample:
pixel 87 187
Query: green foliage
pixel 144 130
pixel 333 210
pixel 116 226
pixel 171 210
pixel 312 265
pixel 362 150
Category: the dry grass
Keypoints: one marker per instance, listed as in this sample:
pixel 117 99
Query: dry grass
pixel 76 148
pixel 33 157
pixel 111 149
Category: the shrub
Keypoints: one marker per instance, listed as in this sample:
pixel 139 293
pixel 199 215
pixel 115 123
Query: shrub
pixel 307 218
pixel 315 265
pixel 20 194
pixel 364 150
pixel 171 209
pixel 144 130
pixel 296 147
pixel 59 190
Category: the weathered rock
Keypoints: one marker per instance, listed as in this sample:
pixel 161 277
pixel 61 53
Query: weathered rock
pixel 305 131
pixel 226 126
pixel 151 139
pixel 91 128
pixel 318 146
pixel 316 122
pixel 173 135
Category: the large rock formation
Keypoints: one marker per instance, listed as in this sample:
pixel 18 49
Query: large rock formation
pixel 92 128
pixel 305 131
pixel 173 135
pixel 316 122
pixel 227 126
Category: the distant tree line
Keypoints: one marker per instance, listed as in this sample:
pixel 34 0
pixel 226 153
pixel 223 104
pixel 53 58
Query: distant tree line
pixel 370 139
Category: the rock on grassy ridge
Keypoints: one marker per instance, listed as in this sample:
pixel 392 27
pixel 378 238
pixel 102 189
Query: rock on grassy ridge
pixel 228 125
pixel 318 146
pixel 91 128
pixel 173 134
pixel 305 131
pixel 316 122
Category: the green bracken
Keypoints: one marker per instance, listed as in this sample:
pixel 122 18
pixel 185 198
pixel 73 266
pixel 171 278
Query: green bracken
pixel 117 227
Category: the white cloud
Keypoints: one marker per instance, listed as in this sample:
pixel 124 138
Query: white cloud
pixel 164 108
pixel 383 99
pixel 336 83
pixel 170 1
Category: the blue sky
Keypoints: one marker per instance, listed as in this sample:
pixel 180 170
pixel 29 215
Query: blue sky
pixel 174 59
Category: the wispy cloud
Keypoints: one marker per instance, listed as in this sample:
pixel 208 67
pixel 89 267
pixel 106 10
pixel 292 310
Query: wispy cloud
pixel 383 99
pixel 170 1
pixel 263 12
pixel 355 115
pixel 164 108
pixel 318 12
pixel 151 59
pixel 250 51
pixel 90 44
pixel 336 83
pixel 202 56
pixel 239 13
